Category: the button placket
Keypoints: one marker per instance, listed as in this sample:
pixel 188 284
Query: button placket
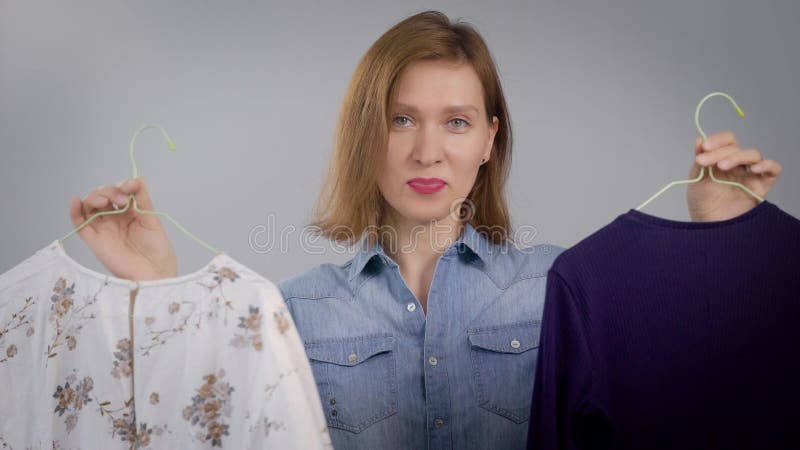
pixel 133 294
pixel 437 382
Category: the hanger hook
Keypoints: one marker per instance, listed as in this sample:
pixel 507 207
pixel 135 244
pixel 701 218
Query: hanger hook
pixel 703 134
pixel 700 105
pixel 702 168
pixel 133 143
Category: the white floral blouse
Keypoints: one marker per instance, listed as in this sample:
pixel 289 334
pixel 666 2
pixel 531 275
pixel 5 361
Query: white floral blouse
pixel 208 359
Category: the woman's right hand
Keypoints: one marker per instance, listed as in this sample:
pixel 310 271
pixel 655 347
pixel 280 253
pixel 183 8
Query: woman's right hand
pixel 130 245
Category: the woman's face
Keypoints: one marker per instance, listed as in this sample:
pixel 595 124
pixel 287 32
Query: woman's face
pixel 438 130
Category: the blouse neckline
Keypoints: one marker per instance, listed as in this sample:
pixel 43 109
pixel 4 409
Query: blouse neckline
pixel 57 248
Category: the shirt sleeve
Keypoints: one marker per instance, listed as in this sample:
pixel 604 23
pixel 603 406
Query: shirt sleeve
pixel 563 378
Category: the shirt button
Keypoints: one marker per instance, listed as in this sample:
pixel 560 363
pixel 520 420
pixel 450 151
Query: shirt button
pixel 352 357
pixel 433 361
pixel 515 344
pixel 411 307
pixel 438 423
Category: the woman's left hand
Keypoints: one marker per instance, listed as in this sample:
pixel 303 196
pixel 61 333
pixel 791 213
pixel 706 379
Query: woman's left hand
pixel 710 201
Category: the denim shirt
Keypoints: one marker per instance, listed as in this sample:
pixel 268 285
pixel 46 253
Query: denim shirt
pixel 459 376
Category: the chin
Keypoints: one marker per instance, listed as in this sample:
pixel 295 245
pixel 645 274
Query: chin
pixel 426 213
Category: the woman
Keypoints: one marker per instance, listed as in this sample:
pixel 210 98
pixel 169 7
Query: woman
pixel 427 337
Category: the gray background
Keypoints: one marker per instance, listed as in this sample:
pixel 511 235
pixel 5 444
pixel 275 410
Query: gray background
pixel 602 98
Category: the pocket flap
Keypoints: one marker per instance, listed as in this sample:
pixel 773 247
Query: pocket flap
pixel 349 351
pixel 514 338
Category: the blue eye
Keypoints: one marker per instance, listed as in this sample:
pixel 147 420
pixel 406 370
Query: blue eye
pixel 462 120
pixel 399 117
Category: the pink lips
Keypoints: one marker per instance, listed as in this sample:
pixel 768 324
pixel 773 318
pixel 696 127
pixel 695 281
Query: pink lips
pixel 426 185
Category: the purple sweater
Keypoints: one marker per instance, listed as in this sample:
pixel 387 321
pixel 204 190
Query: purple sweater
pixel 665 334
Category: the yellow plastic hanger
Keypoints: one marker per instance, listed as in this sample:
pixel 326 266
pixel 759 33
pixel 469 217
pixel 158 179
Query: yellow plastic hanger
pixel 135 205
pixel 702 169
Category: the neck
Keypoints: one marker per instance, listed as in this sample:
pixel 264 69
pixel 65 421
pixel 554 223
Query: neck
pixel 416 248
pixel 415 244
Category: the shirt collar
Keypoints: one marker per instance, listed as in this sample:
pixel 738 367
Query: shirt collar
pixel 476 242
pixel 470 240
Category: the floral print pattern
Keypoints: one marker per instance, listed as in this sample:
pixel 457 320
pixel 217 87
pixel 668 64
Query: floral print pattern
pixel 61 300
pixel 281 320
pixel 67 317
pixel 225 273
pixel 209 407
pixel 125 429
pixel 124 425
pixel 71 397
pixel 11 351
pixel 252 331
pixel 123 358
pixel 93 336
pixel 17 320
pixel 194 315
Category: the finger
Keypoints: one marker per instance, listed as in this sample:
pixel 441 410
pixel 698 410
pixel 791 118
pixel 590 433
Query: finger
pixel 138 187
pixel 130 185
pixel 718 140
pixel 77 218
pixel 143 201
pixel 767 167
pixel 97 200
pixel 94 203
pixel 105 197
pixel 114 194
pixel 712 157
pixel 744 157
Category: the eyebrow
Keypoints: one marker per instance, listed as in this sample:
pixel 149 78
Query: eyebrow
pixel 447 110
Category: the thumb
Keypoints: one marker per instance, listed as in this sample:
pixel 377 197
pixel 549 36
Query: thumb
pixel 77 218
pixel 695 170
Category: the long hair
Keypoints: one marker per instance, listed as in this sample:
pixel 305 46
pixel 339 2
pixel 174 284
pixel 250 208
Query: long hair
pixel 350 202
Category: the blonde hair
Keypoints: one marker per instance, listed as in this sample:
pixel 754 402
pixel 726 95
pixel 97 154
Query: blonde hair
pixel 350 202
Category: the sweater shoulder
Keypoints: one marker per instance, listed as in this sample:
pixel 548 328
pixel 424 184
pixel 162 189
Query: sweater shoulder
pixel 585 250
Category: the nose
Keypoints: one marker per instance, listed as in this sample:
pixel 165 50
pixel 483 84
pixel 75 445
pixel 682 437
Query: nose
pixel 428 147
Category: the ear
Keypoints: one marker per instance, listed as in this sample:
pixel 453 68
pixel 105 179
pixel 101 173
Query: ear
pixel 492 132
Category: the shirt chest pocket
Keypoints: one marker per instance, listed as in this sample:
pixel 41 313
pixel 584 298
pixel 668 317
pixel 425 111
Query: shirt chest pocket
pixel 356 379
pixel 504 364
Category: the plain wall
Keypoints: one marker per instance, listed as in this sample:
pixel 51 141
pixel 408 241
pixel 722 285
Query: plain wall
pixel 602 98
